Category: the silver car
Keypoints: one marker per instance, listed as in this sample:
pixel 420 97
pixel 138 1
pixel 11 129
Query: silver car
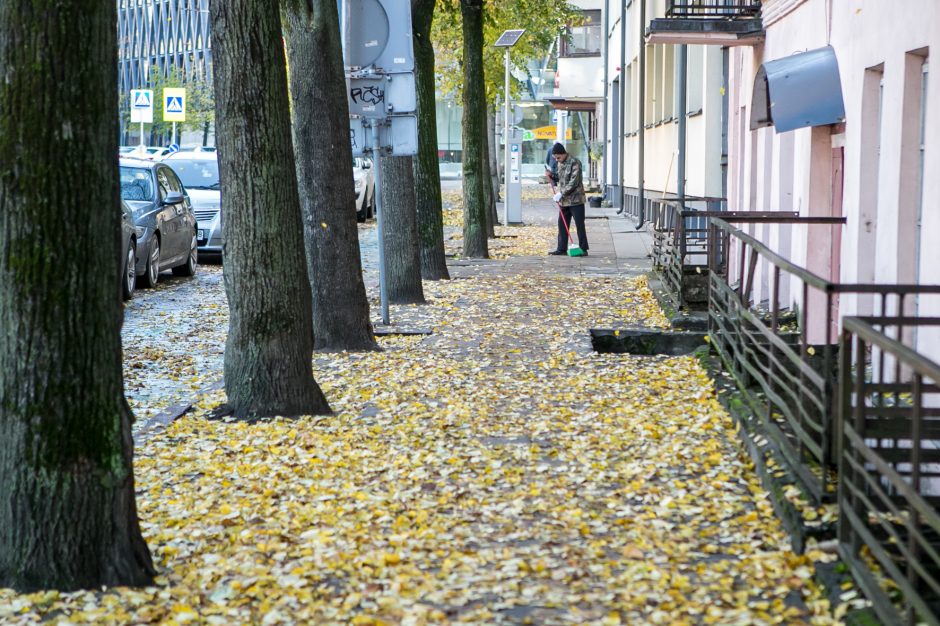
pixel 199 172
pixel 364 179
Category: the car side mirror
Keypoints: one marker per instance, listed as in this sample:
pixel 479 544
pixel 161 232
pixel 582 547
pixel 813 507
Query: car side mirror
pixel 174 197
pixel 366 165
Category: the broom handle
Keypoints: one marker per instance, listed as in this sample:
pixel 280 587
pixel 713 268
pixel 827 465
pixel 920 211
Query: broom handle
pixel 558 204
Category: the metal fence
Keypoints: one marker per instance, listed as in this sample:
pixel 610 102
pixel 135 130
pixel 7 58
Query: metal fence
pixel 711 9
pixel 782 356
pixel 889 471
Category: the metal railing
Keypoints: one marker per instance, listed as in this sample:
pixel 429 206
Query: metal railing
pixel 712 9
pixel 681 243
pixel 889 470
pixel 782 358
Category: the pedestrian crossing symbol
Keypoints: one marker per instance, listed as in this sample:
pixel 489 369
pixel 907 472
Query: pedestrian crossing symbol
pixel 174 105
pixel 142 106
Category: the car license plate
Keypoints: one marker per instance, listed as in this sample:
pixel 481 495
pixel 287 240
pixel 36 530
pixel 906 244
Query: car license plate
pixel 202 234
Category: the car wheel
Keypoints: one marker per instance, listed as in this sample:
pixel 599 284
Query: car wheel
pixel 152 269
pixel 189 267
pixel 129 273
pixel 363 213
pixel 371 214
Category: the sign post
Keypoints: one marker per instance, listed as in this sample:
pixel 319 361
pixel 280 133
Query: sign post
pixel 380 82
pixel 512 208
pixel 142 109
pixel 174 107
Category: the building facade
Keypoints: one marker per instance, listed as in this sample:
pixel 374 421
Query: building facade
pixel 162 34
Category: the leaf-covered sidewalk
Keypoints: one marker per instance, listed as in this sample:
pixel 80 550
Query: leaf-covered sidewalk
pixel 496 471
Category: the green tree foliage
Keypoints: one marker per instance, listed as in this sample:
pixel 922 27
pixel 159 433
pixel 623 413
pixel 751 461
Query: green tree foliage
pixel 543 21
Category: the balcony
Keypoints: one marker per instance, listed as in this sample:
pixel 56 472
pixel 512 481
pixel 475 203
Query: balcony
pixel 708 22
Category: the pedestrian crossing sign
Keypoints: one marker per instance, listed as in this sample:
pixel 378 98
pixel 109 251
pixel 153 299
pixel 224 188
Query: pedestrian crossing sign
pixel 142 105
pixel 174 105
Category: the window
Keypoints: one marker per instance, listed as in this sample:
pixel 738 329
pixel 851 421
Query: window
pixel 136 184
pixel 584 39
pixel 696 70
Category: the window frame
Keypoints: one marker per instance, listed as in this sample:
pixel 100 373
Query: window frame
pixel 594 20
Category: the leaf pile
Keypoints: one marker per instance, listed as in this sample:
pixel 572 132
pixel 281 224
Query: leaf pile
pixel 494 472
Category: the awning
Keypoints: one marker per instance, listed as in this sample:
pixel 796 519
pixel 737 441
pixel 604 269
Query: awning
pixel 798 91
pixel 568 104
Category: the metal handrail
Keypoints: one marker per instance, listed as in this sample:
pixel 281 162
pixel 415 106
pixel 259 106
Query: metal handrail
pixel 886 473
pixel 713 8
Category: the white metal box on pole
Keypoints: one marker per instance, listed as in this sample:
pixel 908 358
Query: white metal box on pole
pixel 513 210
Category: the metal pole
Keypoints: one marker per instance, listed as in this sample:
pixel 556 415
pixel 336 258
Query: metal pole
pixel 506 144
pixel 683 72
pixel 174 133
pixel 621 143
pixel 141 133
pixel 606 136
pixel 380 219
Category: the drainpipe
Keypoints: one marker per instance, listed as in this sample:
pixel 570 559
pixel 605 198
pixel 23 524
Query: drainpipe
pixel 683 72
pixel 623 105
pixel 725 79
pixel 641 109
pixel 606 136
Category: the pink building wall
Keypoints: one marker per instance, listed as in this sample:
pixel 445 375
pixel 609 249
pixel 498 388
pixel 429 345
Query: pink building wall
pixel 881 48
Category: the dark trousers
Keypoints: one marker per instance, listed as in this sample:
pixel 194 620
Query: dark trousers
pixel 577 211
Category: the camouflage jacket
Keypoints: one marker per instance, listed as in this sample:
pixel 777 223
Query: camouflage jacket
pixel 569 182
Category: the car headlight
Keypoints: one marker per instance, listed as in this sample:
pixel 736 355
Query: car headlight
pixel 359 184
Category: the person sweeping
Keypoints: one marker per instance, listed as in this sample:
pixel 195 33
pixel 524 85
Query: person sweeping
pixel 570 197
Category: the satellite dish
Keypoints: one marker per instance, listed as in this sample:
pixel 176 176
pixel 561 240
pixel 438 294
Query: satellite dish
pixel 366 25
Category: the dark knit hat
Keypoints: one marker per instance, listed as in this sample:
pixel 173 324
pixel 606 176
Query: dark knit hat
pixel 558 149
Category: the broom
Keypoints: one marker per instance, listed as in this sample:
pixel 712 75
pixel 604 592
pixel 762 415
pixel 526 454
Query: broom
pixel 573 248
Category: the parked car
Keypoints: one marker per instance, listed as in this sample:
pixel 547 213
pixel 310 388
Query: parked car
pixel 364 178
pixel 163 217
pixel 128 252
pixel 199 172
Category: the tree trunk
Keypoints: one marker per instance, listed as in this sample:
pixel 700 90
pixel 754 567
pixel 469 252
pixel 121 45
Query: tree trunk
pixel 494 152
pixel 324 175
pixel 269 348
pixel 474 129
pixel 491 217
pixel 402 258
pixel 68 519
pixel 427 170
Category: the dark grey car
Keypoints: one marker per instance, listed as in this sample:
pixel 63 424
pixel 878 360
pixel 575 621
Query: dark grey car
pixel 165 223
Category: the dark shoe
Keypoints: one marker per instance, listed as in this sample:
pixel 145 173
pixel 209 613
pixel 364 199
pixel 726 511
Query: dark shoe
pixel 584 253
pixel 557 252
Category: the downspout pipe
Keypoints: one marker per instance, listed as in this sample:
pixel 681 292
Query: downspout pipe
pixel 641 109
pixel 683 74
pixel 606 109
pixel 623 105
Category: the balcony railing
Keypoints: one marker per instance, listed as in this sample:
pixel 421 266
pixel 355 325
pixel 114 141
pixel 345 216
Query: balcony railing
pixel 889 471
pixel 782 350
pixel 712 9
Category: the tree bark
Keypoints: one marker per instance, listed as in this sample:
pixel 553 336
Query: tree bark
pixel 68 519
pixel 269 348
pixel 474 130
pixel 427 170
pixel 324 175
pixel 487 141
pixel 494 152
pixel 402 257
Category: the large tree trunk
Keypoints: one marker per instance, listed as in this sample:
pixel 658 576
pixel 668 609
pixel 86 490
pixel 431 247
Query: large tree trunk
pixel 494 152
pixel 474 129
pixel 427 170
pixel 68 519
pixel 270 341
pixel 402 258
pixel 324 174
pixel 487 141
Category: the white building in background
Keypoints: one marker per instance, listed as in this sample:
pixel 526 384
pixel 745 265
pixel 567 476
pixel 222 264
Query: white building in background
pixel 651 111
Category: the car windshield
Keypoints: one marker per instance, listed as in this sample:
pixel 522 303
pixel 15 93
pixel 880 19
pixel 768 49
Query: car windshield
pixel 136 184
pixel 196 174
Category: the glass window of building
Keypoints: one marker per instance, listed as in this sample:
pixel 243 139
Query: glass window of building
pixel 584 39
